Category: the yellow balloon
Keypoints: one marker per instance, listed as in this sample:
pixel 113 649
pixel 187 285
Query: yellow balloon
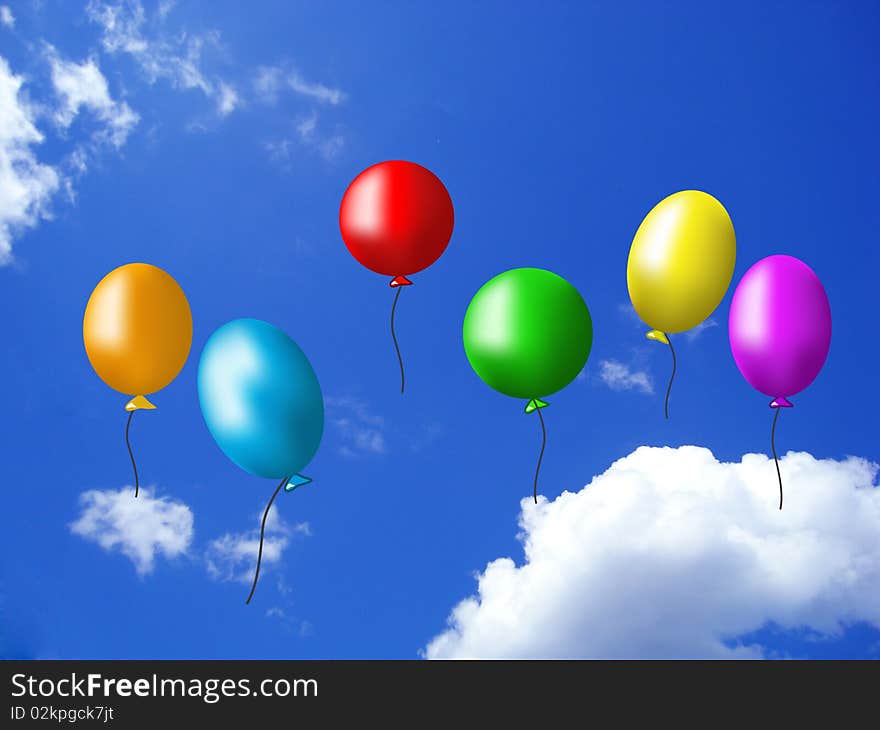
pixel 681 261
pixel 137 330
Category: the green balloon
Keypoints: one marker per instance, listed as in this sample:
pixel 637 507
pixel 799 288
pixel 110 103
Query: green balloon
pixel 527 333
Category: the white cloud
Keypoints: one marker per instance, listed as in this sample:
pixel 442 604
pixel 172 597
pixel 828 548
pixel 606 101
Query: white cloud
pixel 83 86
pixel 359 430
pixel 176 58
pixel 628 311
pixel 233 556
pixel 270 81
pixel 306 126
pixel 328 146
pixel 316 91
pixel 26 184
pixel 692 334
pixel 290 624
pixel 618 376
pixel 279 151
pixel 227 99
pixel 165 7
pixel 121 25
pixel 6 17
pixel 139 527
pixel 671 553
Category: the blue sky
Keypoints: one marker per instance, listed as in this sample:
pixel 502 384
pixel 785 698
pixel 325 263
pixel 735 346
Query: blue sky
pixel 219 149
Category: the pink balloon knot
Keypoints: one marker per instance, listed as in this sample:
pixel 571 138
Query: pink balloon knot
pixel 781 402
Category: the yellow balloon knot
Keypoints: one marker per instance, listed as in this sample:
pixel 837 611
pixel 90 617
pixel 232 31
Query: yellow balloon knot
pixel 657 336
pixel 139 402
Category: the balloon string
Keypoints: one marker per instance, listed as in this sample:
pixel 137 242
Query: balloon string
pixel 394 336
pixel 262 532
pixel 671 377
pixel 775 458
pixel 131 455
pixel 541 455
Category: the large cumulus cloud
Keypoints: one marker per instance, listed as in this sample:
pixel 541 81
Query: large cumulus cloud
pixel 671 553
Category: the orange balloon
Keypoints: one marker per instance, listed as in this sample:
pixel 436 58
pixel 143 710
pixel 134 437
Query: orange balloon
pixel 137 329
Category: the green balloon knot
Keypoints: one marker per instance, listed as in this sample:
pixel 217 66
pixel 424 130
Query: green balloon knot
pixel 534 404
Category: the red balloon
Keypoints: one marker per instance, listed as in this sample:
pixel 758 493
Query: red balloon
pixel 396 218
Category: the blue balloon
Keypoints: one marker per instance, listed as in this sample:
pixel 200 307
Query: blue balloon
pixel 260 398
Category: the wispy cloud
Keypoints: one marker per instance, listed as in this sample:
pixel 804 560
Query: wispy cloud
pixel 305 127
pixel 234 555
pixel 139 527
pixel 359 430
pixel 175 58
pixel 327 146
pixel 26 184
pixel 227 99
pixel 279 151
pixel 628 311
pixel 692 334
pixel 165 7
pixel 268 83
pixel 271 81
pixel 81 86
pixel 618 376
pixel 307 135
pixel 316 91
pixel 81 95
pixel 290 624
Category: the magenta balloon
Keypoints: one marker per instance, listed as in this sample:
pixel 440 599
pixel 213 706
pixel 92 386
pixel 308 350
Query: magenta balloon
pixel 780 326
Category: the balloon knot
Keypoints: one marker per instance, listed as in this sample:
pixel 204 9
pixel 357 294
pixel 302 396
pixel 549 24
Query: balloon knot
pixel 297 480
pixel 534 404
pixel 138 403
pixel 657 336
pixel 781 402
pixel 399 281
